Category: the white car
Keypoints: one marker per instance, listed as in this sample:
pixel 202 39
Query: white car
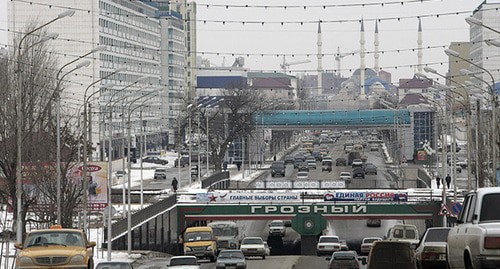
pixel 184 262
pixel 253 246
pixel 367 244
pixel 268 248
pixel 302 175
pixel 327 244
pixel 345 176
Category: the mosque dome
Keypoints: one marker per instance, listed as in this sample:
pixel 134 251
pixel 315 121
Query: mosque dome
pixel 368 73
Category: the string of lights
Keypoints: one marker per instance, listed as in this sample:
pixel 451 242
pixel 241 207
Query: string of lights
pixel 224 22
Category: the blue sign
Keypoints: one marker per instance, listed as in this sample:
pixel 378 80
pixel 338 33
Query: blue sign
pixel 456 208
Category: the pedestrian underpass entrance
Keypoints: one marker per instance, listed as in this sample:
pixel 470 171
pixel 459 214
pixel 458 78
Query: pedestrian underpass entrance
pixel 308 219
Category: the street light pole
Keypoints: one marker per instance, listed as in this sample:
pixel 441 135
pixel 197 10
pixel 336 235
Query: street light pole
pixel 85 141
pixel 129 211
pixel 19 123
pixel 494 123
pixel 58 131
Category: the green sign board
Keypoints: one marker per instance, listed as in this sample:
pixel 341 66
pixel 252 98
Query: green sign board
pixel 309 224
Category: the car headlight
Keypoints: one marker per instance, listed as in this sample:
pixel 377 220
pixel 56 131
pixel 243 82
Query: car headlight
pixel 221 264
pixel 23 261
pixel 187 249
pixel 77 259
pixel 209 248
pixel 240 264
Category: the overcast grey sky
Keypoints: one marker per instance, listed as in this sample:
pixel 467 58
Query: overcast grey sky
pixel 230 30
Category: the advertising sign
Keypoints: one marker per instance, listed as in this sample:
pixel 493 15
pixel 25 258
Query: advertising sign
pixel 97 174
pixel 247 197
pixel 366 196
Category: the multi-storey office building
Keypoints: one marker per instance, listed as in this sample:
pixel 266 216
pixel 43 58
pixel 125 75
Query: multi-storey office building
pixel 137 39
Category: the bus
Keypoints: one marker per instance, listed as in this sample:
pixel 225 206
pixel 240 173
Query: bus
pixel 226 234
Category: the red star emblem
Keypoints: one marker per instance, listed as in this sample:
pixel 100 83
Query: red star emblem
pixel 212 198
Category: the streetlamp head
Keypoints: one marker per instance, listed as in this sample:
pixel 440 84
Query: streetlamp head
pixel 467 72
pixel 98 48
pixel 451 52
pixel 420 75
pixel 430 70
pixel 67 13
pixel 491 42
pixel 471 20
pixel 108 85
pixel 83 64
pixel 118 70
pixel 49 36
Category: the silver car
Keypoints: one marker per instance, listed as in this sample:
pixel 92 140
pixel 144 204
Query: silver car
pixel 231 259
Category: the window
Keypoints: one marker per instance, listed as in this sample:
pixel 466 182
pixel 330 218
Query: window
pixel 488 211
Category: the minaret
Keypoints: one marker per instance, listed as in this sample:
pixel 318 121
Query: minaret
pixel 419 48
pixel 362 61
pixel 320 61
pixel 376 55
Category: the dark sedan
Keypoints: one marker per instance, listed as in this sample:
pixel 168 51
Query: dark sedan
pixel 231 259
pixel 155 160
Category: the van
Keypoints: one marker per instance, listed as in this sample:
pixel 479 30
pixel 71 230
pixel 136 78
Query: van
pixel 200 242
pixel 404 232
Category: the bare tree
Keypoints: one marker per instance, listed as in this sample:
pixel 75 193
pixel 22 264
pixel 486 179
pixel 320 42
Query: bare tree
pixel 30 70
pixel 229 120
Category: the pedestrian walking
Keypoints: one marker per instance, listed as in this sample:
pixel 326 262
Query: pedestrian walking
pixel 438 181
pixel 448 181
pixel 175 184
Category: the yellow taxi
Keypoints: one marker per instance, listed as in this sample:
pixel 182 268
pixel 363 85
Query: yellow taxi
pixel 56 247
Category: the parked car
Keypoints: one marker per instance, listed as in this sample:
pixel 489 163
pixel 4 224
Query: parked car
pixel 160 173
pixel 358 172
pixel 343 259
pixel 233 258
pixel 114 265
pixel 155 160
pixel 462 163
pixel 340 162
pixel 391 255
pixel 253 246
pixel 120 173
pixel 367 243
pixel 278 168
pixel 431 250
pixel 327 244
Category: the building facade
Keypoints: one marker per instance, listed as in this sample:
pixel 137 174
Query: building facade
pixel 148 40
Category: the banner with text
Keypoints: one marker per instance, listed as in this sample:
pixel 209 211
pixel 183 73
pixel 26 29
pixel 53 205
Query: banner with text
pixel 366 196
pixel 247 197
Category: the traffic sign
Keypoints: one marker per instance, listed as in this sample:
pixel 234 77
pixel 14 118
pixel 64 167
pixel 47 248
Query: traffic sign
pixel 456 208
pixel 444 210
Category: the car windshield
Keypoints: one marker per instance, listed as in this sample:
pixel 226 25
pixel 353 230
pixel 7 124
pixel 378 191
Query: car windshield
pixel 277 224
pixel 113 265
pixel 328 240
pixel 55 238
pixel 198 236
pixel 343 256
pixel 370 240
pixel 231 254
pixel 251 241
pixel 183 261
pixel 437 235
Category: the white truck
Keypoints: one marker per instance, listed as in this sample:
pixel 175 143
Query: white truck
pixel 474 242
